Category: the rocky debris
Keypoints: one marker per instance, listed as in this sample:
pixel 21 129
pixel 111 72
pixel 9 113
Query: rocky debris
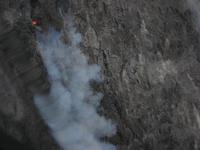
pixel 22 73
pixel 149 53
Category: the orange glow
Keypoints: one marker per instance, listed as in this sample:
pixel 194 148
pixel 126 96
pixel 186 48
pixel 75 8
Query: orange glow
pixel 35 22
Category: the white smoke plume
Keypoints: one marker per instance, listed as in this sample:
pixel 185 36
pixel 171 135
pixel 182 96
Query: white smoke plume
pixel 194 6
pixel 70 107
pixel 195 9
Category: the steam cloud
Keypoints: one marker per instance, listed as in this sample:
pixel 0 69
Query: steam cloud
pixel 70 107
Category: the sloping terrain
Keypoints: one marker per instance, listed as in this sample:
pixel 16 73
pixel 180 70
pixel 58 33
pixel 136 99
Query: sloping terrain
pixel 149 54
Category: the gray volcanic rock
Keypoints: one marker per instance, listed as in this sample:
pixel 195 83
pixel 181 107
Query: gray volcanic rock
pixel 21 73
pixel 149 54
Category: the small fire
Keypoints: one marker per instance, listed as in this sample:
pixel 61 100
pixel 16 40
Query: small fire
pixel 35 22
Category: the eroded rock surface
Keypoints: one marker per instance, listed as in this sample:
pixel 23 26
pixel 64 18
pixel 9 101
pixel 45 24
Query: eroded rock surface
pixel 21 73
pixel 149 54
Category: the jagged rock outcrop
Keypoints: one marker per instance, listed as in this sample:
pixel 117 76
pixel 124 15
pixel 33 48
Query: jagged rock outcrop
pixel 149 54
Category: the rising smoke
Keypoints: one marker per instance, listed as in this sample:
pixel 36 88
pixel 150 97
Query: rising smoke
pixel 194 6
pixel 70 107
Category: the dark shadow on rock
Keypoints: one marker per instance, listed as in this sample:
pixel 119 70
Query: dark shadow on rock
pixel 9 143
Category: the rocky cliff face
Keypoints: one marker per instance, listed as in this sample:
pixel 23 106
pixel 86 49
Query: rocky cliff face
pixel 149 54
pixel 21 73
